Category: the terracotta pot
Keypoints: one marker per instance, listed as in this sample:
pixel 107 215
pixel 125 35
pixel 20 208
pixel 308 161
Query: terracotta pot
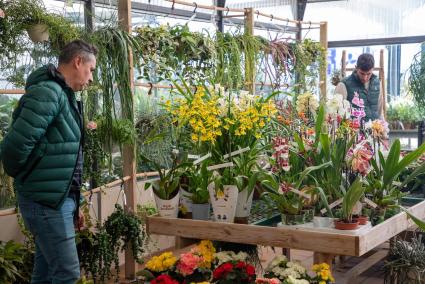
pixel 361 219
pixel 341 225
pixel 38 33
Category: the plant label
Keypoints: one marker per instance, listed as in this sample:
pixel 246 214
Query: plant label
pixel 332 205
pixel 202 159
pixel 300 193
pixel 219 166
pixel 193 157
pixel 234 153
pixel 370 203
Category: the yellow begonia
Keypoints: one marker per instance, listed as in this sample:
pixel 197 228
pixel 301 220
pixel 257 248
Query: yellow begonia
pixel 161 263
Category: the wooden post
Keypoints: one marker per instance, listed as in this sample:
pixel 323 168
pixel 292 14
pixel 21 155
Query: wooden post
pixel 324 43
pixel 343 63
pixel 382 78
pixel 323 257
pixel 249 61
pixel 129 161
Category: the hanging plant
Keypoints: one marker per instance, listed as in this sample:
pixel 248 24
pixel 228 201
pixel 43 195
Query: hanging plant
pixel 310 57
pixel 417 80
pixel 99 251
pixel 113 78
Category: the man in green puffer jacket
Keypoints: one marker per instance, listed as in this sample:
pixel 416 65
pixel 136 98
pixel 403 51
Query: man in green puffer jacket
pixel 43 152
pixel 363 84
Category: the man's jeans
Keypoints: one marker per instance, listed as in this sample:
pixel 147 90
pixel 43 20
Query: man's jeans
pixel 56 258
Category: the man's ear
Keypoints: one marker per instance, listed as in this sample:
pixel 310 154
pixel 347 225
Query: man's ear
pixel 78 60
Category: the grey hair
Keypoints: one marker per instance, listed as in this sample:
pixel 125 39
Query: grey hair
pixel 77 48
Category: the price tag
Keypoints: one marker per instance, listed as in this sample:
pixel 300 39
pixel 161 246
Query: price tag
pixel 300 193
pixel 370 203
pixel 202 159
pixel 332 205
pixel 194 157
pixel 237 152
pixel 219 166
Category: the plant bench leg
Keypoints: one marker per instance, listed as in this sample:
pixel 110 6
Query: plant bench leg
pixel 184 242
pixel 320 257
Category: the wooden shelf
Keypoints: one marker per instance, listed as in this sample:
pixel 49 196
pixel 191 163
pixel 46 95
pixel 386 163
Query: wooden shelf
pixel 339 243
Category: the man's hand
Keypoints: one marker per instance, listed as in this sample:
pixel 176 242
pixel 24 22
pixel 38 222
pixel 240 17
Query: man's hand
pixel 80 221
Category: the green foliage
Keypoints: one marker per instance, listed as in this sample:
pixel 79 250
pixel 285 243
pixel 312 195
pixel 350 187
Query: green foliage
pixel 12 256
pixel 351 197
pixel 168 184
pixel 417 80
pixel 310 56
pixel 98 251
pixel 383 181
pixel 406 261
pixel 199 178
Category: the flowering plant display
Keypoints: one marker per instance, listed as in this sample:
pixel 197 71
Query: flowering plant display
pixel 323 274
pixel 234 272
pixel 267 281
pixel 161 263
pixel 283 269
pixel 229 256
pixel 164 279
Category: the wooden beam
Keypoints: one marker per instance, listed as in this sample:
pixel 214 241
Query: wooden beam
pixel 352 275
pixel 129 160
pixel 304 239
pixel 382 77
pixel 390 228
pixel 249 60
pixel 324 43
pixel 344 64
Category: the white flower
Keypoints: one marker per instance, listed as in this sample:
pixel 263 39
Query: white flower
pixel 338 106
pixel 292 280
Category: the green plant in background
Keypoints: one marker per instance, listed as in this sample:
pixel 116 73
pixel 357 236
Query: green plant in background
pixel 199 179
pixel 21 15
pixel 310 57
pixel 417 80
pixel 406 261
pixel 383 182
pixel 11 258
pixel 98 250
pixel 167 186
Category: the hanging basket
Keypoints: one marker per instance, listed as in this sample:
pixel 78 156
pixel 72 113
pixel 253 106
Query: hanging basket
pixel 38 33
pixel 168 208
pixel 224 202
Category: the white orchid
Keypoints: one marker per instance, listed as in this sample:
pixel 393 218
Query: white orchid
pixel 338 106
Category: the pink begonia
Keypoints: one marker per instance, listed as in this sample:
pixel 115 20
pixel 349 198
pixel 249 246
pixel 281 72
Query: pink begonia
pixel 91 125
pixel 2 14
pixel 188 263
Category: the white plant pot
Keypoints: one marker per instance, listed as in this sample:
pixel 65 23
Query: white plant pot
pixel 224 203
pixel 38 33
pixel 168 208
pixel 243 208
pixel 185 200
pixel 323 222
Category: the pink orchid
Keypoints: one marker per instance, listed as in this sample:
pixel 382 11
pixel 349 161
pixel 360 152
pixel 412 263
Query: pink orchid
pixel 357 100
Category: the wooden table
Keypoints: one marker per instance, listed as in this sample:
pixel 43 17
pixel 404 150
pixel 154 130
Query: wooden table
pixel 325 245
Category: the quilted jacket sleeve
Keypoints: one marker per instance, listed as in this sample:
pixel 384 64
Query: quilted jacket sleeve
pixel 36 111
